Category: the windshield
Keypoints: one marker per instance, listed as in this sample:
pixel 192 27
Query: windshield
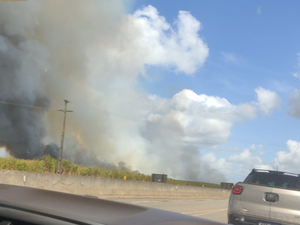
pixel 198 91
pixel 98 96
pixel 274 180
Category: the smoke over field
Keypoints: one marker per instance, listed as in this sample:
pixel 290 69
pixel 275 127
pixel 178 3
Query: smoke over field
pixel 93 53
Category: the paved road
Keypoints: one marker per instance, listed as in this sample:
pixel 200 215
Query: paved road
pixel 212 209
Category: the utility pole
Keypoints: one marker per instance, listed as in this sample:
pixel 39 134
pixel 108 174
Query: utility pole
pixel 62 137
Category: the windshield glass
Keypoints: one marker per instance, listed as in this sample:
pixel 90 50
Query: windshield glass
pixel 274 180
pixel 198 91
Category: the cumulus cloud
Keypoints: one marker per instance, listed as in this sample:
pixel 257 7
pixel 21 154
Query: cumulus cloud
pixel 267 100
pixel 247 157
pixel 202 116
pixel 220 164
pixel 245 161
pixel 180 127
pixel 238 165
pixel 289 160
pixel 188 123
pixel 180 46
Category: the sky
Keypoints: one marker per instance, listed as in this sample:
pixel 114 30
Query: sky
pixel 197 90
pixel 253 58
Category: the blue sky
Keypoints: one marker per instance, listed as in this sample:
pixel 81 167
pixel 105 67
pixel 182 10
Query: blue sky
pixel 251 44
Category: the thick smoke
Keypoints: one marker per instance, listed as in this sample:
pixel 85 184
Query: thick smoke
pixel 80 155
pixel 92 53
pixel 22 63
pixel 43 59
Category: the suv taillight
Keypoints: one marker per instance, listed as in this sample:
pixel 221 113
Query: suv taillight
pixel 237 190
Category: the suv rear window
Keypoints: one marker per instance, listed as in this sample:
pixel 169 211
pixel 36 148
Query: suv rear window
pixel 274 180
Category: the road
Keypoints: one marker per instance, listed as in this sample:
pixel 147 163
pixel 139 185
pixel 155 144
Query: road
pixel 212 209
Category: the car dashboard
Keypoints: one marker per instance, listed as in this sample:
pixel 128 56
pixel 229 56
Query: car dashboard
pixel 31 206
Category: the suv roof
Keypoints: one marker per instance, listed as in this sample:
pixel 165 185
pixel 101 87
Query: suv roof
pixel 274 172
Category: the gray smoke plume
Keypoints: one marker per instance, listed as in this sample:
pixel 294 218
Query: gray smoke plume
pixel 21 70
pixel 92 53
pixel 39 58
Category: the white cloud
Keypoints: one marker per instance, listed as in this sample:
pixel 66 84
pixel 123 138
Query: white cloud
pixel 246 157
pixel 237 166
pixel 203 117
pixel 221 164
pixel 194 121
pixel 179 127
pixel 248 110
pixel 180 47
pixel 244 162
pixel 289 160
pixel 268 100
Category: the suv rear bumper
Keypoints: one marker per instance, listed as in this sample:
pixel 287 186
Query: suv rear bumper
pixel 241 219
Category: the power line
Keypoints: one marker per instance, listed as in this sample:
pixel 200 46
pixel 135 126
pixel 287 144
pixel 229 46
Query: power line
pixel 186 132
pixel 24 105
pixel 213 136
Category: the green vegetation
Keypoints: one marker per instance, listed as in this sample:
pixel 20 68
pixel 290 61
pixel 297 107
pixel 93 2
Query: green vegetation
pixel 49 165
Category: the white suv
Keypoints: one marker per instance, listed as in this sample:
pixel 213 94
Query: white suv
pixel 266 197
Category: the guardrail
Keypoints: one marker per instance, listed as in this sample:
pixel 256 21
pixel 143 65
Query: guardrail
pixel 105 187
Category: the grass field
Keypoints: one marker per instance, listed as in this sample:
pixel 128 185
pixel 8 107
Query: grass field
pixel 49 165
